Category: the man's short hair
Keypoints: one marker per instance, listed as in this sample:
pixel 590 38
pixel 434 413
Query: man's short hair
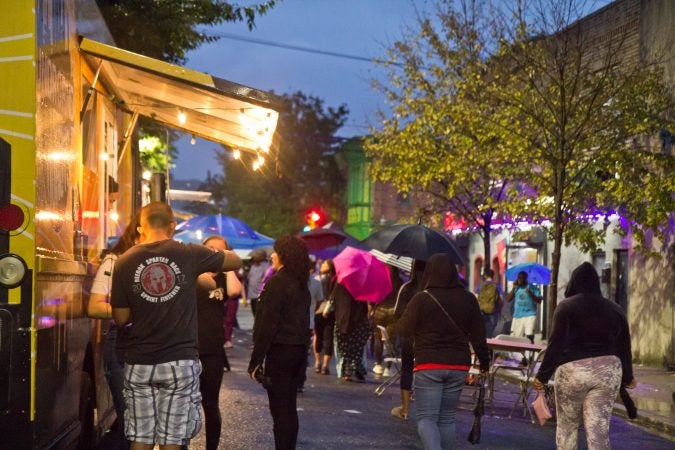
pixel 157 215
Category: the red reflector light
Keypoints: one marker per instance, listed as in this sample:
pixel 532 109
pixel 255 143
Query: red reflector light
pixel 11 217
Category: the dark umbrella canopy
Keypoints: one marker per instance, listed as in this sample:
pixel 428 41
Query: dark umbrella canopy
pixel 414 241
pixel 320 238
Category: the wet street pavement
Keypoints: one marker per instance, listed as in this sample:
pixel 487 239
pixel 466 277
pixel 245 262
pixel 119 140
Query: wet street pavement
pixel 338 415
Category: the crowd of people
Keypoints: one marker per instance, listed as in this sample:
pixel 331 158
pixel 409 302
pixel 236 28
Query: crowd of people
pixel 171 306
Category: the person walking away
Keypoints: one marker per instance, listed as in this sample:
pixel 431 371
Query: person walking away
pixel 254 277
pixel 316 295
pixel 589 351
pixel 99 308
pixel 442 319
pixel 489 298
pixel 280 336
pixel 324 320
pixel 154 282
pixel 527 297
pixel 405 294
pixel 230 320
pixel 210 316
pixel 351 333
pixel 383 315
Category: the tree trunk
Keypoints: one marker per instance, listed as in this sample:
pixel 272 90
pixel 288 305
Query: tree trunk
pixel 555 269
pixel 486 244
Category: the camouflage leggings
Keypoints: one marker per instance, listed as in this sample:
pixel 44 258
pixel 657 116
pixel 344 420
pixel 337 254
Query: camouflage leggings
pixel 586 388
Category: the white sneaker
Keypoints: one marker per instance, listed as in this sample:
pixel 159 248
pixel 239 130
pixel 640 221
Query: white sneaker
pixel 386 372
pixel 377 370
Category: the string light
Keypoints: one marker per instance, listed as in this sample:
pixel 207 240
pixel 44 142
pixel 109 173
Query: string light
pixel 193 140
pixel 236 153
pixel 182 118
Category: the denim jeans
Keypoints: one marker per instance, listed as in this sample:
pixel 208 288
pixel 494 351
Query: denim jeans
pixel 114 372
pixel 436 398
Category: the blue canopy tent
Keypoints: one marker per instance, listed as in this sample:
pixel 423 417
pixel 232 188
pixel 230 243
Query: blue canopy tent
pixel 241 237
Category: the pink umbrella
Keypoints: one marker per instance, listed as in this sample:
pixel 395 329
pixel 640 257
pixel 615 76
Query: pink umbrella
pixel 362 274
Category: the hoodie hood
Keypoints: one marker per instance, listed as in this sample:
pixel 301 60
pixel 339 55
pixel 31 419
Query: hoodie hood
pixel 584 280
pixel 440 272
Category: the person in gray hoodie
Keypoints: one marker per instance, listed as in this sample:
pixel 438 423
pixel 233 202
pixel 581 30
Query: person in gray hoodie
pixel 589 351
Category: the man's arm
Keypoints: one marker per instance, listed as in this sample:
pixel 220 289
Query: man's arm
pixel 231 261
pixel 535 298
pixel 98 307
pixel 121 316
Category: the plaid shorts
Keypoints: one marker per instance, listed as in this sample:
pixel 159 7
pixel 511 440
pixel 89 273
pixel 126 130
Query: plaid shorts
pixel 163 402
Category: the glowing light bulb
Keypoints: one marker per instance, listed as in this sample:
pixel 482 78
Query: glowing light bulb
pixel 193 141
pixel 147 175
pixel 114 216
pixel 182 118
pixel 236 154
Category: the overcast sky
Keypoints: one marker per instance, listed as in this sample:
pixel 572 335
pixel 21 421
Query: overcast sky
pixel 361 28
pixel 354 27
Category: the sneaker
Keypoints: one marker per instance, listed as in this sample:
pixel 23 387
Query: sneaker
pixel 377 370
pixel 386 372
pixel 229 344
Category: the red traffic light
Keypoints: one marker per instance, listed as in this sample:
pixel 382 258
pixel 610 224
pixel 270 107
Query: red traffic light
pixel 315 218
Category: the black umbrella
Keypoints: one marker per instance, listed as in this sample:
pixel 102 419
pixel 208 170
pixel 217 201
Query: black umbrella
pixel 415 241
pixel 320 238
pixel 478 411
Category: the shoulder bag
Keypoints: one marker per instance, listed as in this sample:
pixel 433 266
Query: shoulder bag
pixel 540 408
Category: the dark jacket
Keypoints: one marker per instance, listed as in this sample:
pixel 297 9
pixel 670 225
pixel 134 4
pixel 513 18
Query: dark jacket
pixel 349 313
pixel 436 340
pixel 283 318
pixel 586 325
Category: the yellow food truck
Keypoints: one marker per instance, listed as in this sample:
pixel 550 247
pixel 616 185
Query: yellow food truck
pixel 70 178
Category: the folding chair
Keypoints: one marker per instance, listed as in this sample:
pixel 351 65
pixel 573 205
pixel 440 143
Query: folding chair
pixel 525 385
pixel 507 365
pixel 392 358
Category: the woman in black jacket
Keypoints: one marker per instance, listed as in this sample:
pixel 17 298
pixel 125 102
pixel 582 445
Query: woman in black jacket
pixel 442 318
pixel 589 350
pixel 280 336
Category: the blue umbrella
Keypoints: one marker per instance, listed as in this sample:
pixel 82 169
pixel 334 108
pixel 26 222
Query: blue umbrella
pixel 238 234
pixel 536 273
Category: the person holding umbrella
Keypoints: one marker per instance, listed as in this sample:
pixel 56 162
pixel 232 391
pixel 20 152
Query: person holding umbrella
pixel 352 330
pixel 527 298
pixel 442 319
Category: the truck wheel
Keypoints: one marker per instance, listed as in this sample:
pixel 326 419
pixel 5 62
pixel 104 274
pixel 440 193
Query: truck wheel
pixel 87 439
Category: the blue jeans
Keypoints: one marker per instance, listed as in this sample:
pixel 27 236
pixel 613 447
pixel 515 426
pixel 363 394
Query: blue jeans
pixel 436 398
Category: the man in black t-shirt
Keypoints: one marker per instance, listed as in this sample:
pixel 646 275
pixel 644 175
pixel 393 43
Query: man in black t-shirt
pixel 154 286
